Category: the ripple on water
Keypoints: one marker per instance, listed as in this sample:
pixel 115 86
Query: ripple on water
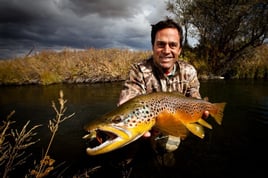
pixel 259 111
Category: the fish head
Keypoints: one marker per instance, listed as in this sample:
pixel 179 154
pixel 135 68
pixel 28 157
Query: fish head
pixel 118 128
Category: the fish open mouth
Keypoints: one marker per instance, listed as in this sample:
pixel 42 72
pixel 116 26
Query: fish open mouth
pixel 98 137
pixel 106 138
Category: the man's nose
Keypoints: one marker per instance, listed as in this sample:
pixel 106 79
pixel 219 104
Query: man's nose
pixel 166 49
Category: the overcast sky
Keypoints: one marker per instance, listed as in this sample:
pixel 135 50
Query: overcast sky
pixel 78 24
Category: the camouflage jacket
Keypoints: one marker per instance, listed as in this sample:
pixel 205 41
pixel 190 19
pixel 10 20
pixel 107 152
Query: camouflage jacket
pixel 146 77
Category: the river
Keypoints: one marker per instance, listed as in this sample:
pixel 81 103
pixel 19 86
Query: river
pixel 236 148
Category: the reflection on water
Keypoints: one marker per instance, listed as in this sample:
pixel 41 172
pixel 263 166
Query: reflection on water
pixel 259 110
pixel 236 148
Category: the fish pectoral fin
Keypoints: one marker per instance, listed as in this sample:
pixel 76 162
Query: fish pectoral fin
pixel 196 129
pixel 169 125
pixel 204 123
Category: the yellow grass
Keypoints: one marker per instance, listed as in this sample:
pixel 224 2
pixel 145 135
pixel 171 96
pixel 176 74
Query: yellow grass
pixel 91 65
pixel 108 65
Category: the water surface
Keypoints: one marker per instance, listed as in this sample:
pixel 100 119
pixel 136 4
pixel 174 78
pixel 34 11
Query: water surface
pixel 236 148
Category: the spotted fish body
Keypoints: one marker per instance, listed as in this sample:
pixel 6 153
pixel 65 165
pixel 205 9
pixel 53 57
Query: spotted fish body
pixel 171 113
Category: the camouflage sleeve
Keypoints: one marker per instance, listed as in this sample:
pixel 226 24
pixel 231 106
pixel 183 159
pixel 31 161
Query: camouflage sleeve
pixel 194 84
pixel 133 86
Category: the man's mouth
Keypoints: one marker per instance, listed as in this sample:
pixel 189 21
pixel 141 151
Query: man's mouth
pixel 166 58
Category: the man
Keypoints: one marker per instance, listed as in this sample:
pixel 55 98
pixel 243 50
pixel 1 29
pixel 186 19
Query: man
pixel 164 71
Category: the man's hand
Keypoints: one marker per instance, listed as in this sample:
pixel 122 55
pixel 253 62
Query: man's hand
pixel 205 115
pixel 147 134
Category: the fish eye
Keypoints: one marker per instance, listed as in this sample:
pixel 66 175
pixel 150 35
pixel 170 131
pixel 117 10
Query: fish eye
pixel 116 119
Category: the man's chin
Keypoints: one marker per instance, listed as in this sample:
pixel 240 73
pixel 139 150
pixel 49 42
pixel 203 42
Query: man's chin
pixel 166 65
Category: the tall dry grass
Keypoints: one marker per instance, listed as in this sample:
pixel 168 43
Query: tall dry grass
pixel 107 65
pixel 14 143
pixel 91 65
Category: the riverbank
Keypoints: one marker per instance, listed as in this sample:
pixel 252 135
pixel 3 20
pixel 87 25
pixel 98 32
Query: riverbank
pixel 87 66
pixel 109 65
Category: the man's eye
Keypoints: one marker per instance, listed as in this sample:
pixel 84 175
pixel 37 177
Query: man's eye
pixel 161 44
pixel 116 119
pixel 173 45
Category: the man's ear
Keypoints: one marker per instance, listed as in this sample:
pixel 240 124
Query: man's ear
pixel 180 50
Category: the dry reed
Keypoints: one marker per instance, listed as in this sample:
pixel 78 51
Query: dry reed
pixel 46 165
pixel 13 143
pixel 106 65
pixel 87 66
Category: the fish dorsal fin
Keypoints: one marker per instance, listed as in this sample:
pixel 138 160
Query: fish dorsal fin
pixel 176 94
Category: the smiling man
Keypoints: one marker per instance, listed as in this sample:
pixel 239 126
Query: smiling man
pixel 164 72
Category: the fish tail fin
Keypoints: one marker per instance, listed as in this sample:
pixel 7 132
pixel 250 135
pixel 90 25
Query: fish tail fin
pixel 217 113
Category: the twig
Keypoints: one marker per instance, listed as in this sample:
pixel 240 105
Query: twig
pixel 46 164
pixel 13 149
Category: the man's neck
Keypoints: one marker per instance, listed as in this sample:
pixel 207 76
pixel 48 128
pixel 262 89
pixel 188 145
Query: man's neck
pixel 170 72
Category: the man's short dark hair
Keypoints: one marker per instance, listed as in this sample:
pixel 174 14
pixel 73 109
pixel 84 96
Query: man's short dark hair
pixel 168 23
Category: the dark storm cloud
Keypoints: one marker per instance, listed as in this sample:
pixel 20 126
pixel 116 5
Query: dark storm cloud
pixel 104 8
pixel 78 24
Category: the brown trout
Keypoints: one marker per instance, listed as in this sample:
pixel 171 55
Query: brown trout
pixel 171 113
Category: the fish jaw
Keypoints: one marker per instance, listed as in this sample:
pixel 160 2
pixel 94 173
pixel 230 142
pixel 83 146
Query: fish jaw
pixel 108 138
pixel 119 127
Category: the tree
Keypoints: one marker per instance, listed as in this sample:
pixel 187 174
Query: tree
pixel 226 28
pixel 178 8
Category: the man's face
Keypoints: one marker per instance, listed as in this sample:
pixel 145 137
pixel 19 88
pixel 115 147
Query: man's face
pixel 166 48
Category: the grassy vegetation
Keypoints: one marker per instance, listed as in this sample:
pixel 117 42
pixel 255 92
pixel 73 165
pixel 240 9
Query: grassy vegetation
pixel 14 143
pixel 107 65
pixel 68 66
pixel 255 66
